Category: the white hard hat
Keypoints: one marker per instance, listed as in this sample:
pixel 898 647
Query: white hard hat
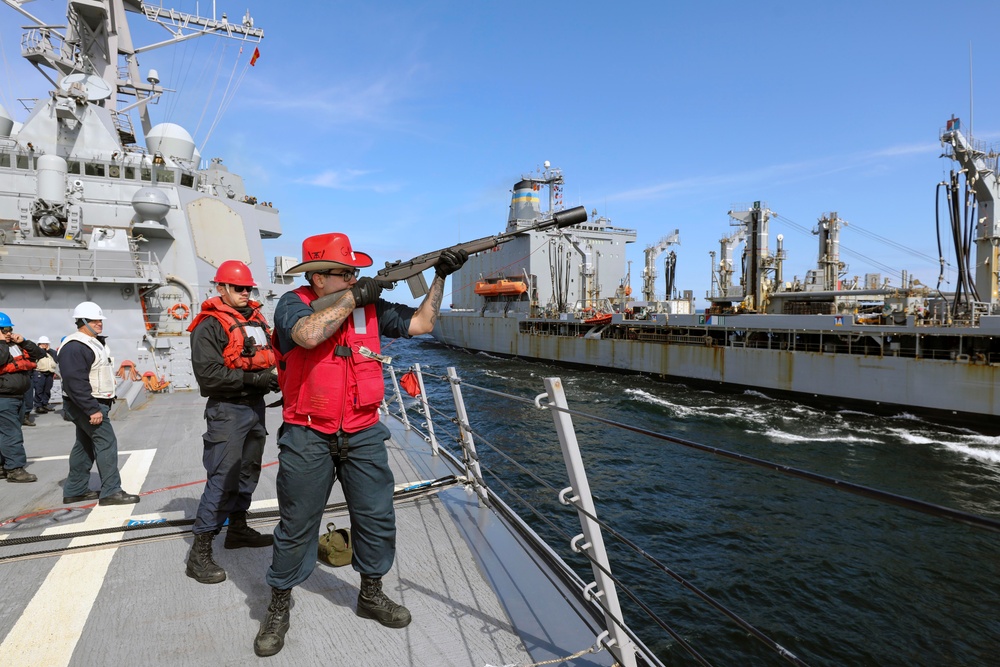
pixel 45 340
pixel 88 310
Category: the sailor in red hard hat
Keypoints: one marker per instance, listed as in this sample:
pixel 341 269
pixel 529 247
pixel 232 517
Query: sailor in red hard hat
pixel 234 365
pixel 332 388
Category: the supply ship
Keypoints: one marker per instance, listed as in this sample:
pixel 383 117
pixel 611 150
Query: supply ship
pixel 565 296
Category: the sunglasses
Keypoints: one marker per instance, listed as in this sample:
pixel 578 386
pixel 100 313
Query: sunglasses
pixel 241 288
pixel 346 274
pixel 6 330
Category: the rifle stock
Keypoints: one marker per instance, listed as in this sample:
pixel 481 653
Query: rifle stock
pixel 412 270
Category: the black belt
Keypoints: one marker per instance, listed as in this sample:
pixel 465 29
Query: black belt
pixel 105 401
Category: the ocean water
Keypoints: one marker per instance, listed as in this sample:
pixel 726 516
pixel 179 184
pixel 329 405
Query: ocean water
pixel 834 578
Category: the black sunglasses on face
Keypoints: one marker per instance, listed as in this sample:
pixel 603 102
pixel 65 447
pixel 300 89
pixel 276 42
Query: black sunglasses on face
pixel 241 288
pixel 6 330
pixel 346 274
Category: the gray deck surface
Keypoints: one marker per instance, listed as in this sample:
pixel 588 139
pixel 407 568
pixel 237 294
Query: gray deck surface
pixel 133 604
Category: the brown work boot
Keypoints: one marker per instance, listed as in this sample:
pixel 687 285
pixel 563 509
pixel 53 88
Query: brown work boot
pixel 372 603
pixel 20 475
pixel 271 637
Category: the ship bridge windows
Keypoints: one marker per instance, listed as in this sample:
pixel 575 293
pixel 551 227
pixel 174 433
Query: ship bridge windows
pixel 164 175
pixel 130 172
pixel 187 179
pixel 72 166
pixel 146 173
pixel 24 162
pixel 4 160
pixel 93 169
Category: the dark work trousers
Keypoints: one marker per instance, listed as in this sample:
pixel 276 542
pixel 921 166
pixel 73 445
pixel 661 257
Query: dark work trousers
pixel 93 443
pixel 42 383
pixel 306 473
pixel 11 436
pixel 234 446
pixel 29 398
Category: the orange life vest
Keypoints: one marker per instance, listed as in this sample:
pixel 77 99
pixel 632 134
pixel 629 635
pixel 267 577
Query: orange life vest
pixel 333 387
pixel 21 362
pixel 242 351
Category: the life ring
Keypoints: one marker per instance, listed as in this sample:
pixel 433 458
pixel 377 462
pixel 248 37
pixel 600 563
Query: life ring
pixel 179 311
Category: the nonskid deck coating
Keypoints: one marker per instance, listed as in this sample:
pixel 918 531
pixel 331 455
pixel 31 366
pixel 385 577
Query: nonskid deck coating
pixel 133 604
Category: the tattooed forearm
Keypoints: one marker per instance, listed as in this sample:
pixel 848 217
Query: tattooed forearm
pixel 313 330
pixel 435 296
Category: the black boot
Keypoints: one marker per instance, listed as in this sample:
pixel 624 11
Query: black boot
pixel 271 637
pixel 239 534
pixel 200 565
pixel 372 603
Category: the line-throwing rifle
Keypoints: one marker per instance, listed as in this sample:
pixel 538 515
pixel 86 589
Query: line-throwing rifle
pixel 412 271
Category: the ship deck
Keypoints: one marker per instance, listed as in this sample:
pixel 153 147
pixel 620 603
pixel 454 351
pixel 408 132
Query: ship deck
pixel 477 596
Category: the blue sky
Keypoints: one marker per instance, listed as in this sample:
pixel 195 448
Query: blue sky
pixel 405 124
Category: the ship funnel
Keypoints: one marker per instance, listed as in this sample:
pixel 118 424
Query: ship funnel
pixel 524 203
pixel 170 140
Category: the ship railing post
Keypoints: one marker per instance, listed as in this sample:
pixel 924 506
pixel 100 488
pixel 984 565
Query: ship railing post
pixel 426 409
pixel 470 457
pixel 592 538
pixel 399 397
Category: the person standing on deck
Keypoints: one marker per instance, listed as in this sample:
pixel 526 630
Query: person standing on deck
pixel 88 385
pixel 43 376
pixel 234 365
pixel 17 359
pixel 331 425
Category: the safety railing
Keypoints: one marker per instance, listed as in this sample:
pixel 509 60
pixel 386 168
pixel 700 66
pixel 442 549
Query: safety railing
pixel 628 649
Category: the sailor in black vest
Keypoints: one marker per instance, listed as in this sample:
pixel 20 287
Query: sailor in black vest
pixel 17 360
pixel 88 384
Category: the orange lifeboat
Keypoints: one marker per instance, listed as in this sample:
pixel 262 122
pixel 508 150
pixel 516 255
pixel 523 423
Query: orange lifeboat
pixel 598 319
pixel 501 288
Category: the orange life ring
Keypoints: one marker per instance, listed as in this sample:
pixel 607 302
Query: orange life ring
pixel 179 311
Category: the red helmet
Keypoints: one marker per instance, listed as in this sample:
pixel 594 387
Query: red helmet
pixel 329 251
pixel 234 272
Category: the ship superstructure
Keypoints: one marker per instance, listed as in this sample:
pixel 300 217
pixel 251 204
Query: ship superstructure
pixel 840 339
pixel 96 207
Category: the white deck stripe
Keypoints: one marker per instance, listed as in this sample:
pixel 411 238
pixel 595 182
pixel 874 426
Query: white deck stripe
pixel 48 630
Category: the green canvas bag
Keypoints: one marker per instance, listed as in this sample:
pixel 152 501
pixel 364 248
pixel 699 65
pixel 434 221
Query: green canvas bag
pixel 335 546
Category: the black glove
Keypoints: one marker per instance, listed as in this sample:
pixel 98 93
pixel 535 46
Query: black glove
pixel 265 381
pixel 450 261
pixel 365 291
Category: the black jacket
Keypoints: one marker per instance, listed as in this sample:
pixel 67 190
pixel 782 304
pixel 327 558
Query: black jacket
pixel 215 379
pixel 15 384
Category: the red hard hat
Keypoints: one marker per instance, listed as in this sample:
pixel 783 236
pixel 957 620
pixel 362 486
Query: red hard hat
pixel 329 251
pixel 234 272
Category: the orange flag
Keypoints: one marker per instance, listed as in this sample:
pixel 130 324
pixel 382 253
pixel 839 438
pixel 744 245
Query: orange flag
pixel 253 58
pixel 409 384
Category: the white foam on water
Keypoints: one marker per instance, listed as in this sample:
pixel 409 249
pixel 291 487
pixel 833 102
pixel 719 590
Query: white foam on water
pixel 986 455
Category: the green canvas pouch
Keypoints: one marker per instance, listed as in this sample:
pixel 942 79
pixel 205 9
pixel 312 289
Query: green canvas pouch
pixel 335 546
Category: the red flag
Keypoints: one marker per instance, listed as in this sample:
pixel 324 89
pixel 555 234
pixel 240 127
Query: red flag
pixel 253 58
pixel 409 384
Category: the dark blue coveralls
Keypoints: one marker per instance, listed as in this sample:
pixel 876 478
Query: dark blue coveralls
pixel 309 465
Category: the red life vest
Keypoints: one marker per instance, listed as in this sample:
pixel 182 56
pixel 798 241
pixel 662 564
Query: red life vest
pixel 21 362
pixel 333 387
pixel 241 351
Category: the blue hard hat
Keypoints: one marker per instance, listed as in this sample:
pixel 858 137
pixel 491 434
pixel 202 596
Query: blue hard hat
pixel 5 320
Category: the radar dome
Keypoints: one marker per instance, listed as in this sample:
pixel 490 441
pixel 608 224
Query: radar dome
pixel 6 122
pixel 171 141
pixel 151 204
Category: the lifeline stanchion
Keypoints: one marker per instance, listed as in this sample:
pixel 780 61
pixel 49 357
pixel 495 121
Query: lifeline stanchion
pixel 592 538
pixel 472 469
pixel 399 398
pixel 427 409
